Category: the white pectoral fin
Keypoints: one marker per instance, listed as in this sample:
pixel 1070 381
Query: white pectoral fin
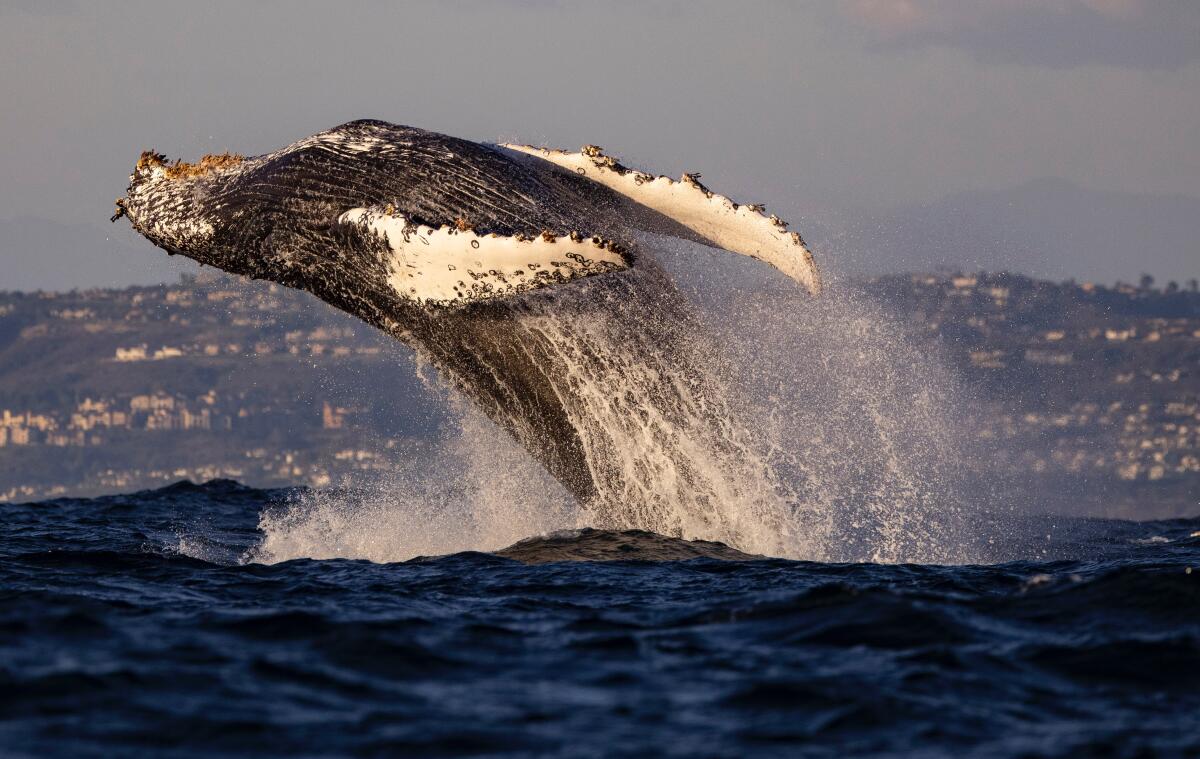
pixel 451 266
pixel 715 218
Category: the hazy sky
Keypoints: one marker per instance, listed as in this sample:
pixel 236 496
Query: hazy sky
pixel 820 109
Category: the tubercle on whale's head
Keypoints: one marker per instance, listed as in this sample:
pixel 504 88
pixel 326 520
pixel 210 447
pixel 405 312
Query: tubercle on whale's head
pixel 167 201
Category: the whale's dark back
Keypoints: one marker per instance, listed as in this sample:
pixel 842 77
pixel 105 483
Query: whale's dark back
pixel 429 178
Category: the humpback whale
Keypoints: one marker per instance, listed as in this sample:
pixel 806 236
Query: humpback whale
pixel 519 272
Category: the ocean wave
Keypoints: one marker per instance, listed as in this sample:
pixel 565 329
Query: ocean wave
pixel 113 639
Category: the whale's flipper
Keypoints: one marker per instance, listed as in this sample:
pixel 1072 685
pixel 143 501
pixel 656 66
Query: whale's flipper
pixel 715 219
pixel 453 265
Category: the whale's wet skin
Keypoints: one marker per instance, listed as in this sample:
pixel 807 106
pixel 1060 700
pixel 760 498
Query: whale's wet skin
pixel 523 276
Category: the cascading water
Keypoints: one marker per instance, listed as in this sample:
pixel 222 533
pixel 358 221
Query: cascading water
pixel 666 449
pixel 863 423
pixel 778 424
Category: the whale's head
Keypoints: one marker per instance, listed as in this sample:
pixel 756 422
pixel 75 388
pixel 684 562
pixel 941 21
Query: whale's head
pixel 176 204
pixel 360 221
pixel 267 217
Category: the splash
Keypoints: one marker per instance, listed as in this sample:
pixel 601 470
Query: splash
pixel 778 424
pixel 478 491
pixel 665 445
pixel 861 421
pixel 865 424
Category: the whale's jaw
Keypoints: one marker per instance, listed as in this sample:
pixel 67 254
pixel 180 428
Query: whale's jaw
pixel 167 202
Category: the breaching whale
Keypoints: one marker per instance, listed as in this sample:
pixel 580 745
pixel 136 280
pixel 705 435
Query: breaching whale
pixel 517 271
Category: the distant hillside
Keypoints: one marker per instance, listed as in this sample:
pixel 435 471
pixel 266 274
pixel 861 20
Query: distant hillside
pixel 107 390
pixel 1087 398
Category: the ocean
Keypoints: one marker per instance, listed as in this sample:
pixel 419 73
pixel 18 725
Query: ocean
pixel 136 624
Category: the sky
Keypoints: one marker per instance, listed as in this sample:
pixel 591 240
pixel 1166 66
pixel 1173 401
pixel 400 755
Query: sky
pixel 881 128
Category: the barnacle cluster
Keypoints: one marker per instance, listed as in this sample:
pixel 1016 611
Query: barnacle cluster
pixel 180 169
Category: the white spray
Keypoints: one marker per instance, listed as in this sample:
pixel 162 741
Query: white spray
pixel 801 428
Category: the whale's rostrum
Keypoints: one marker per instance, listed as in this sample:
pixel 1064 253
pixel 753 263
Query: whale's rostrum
pixel 514 270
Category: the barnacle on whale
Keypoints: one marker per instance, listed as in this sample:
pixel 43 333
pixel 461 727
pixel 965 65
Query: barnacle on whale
pixel 180 169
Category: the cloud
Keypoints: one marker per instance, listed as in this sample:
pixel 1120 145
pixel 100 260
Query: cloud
pixel 1147 34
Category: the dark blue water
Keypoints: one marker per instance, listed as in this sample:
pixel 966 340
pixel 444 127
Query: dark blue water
pixel 113 643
